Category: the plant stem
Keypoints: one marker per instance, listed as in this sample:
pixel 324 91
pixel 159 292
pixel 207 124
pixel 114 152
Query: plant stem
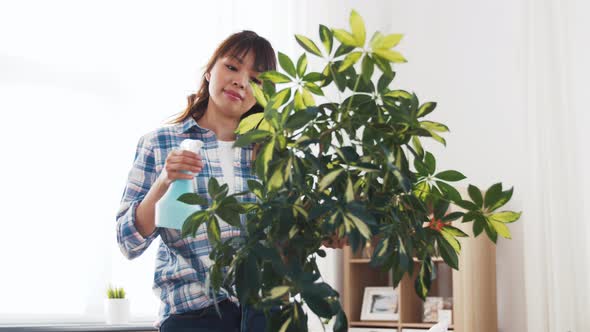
pixel 356 84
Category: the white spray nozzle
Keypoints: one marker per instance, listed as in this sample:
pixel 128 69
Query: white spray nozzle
pixel 193 145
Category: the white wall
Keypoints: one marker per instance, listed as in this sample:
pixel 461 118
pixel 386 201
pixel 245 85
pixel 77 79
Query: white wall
pixel 469 57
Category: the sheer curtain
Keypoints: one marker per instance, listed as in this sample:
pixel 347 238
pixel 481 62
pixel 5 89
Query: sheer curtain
pixel 557 256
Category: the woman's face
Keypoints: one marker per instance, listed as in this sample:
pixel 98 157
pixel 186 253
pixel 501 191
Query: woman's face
pixel 229 87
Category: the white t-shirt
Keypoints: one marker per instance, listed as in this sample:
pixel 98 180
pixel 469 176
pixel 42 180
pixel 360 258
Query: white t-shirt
pixel 225 152
pixel 226 158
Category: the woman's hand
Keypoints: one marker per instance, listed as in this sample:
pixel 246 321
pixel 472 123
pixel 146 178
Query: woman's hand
pixel 335 242
pixel 180 164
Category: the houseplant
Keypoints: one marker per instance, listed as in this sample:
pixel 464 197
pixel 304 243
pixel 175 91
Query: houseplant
pixel 116 306
pixel 355 168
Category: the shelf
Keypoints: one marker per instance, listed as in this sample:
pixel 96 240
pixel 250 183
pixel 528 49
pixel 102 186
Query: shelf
pixel 373 323
pixel 434 259
pixel 368 260
pixel 421 325
pixel 366 323
pixel 360 260
pixel 472 288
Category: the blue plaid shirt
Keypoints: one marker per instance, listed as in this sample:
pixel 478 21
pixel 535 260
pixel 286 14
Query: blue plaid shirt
pixel 181 263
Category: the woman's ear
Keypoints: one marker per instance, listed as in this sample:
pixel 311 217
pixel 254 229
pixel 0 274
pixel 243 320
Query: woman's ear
pixel 207 76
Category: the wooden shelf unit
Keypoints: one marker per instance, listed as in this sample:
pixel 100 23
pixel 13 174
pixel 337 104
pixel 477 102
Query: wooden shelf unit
pixel 472 288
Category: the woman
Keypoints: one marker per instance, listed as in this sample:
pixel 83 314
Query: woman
pixel 212 115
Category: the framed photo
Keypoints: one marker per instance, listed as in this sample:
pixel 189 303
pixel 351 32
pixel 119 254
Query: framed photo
pixel 431 307
pixel 380 303
pixel 435 306
pixel 445 315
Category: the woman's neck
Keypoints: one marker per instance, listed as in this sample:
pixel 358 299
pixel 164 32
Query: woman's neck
pixel 222 126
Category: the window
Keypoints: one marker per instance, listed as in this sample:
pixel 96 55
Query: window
pixel 80 83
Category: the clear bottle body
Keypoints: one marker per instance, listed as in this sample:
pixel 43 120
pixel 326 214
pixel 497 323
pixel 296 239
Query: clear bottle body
pixel 170 212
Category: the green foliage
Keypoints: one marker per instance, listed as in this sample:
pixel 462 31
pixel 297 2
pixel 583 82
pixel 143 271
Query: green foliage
pixel 115 293
pixel 339 168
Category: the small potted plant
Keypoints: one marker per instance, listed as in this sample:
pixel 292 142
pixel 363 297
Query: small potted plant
pixel 116 306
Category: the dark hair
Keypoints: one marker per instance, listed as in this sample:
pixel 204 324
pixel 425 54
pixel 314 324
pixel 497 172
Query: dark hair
pixel 238 44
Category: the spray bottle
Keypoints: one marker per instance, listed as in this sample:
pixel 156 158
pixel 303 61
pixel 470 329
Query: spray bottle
pixel 170 212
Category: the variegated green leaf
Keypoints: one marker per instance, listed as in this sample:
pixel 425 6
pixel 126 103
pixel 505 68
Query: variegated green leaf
pixel 386 42
pixel 286 324
pixel 349 191
pixel 422 190
pixel 266 156
pixel 367 67
pixel 329 178
pixel 434 126
pixel 213 232
pixel 359 224
pixel 376 39
pixel 278 291
pixel 277 179
pixel 193 199
pixel 475 195
pixel 313 77
pixel 287 64
pixel 450 175
pixel 301 65
pixel 327 38
pixel 249 123
pixel 275 77
pixel 504 198
pixel 280 98
pixel 308 98
pixel 426 109
pixel 437 137
pixel 417 146
pixel 451 239
pixel 350 60
pixel 258 94
pixel 345 37
pixel 501 229
pixel 250 137
pixel 298 100
pixel 389 55
pixel 313 88
pixel 505 216
pixel 358 28
pixel 308 45
pixel 454 231
pixel 399 94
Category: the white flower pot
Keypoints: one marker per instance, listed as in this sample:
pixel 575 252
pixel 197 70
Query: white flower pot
pixel 116 311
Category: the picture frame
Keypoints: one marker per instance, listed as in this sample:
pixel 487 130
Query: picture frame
pixel 431 306
pixel 380 303
pixel 437 308
pixel 445 315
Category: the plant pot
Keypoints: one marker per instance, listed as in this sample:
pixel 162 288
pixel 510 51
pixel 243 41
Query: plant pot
pixel 116 311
